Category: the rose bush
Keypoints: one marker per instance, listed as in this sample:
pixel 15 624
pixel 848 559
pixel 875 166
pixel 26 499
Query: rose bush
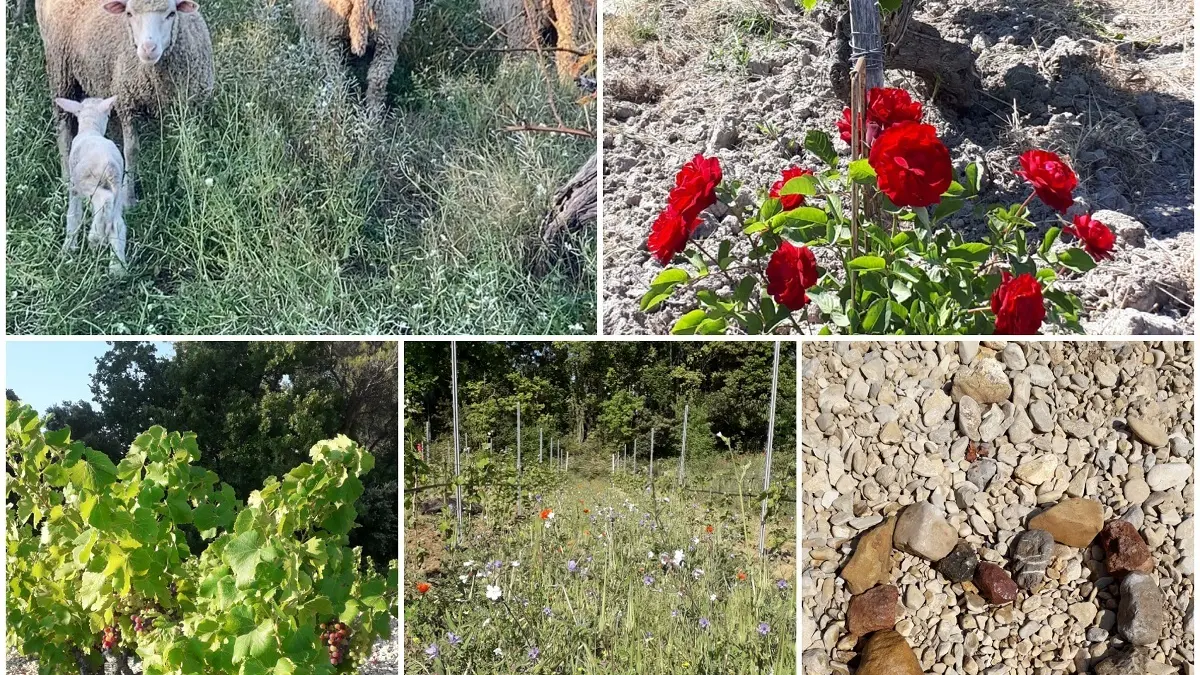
pixel 903 270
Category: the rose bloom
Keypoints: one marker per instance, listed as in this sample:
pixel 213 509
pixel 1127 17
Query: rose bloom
pixel 1095 236
pixel 912 164
pixel 1017 304
pixel 791 271
pixel 1051 178
pixel 789 201
pixel 669 234
pixel 695 187
pixel 423 588
pixel 886 106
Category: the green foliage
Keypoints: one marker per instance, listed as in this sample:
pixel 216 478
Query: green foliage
pixel 93 544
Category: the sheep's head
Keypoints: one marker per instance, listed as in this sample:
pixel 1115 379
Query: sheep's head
pixel 92 112
pixel 151 23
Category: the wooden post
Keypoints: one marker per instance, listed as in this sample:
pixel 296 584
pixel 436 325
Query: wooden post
pixel 426 450
pixel 567 462
pixel 518 458
pixel 762 523
pixel 683 446
pixel 866 40
pixel 457 461
pixel 652 457
pixel 539 445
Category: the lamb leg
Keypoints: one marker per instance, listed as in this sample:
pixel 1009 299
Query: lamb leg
pixel 129 148
pixel 74 222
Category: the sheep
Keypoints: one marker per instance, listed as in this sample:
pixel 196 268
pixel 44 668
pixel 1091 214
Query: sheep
pixel 330 24
pixel 96 173
pixel 142 52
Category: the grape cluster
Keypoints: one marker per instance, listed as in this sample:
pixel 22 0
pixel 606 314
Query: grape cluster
pixel 140 625
pixel 112 637
pixel 337 636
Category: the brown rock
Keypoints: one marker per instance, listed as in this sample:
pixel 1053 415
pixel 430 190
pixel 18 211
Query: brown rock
pixel 1074 522
pixel 887 653
pixel 871 562
pixel 1124 549
pixel 995 584
pixel 873 610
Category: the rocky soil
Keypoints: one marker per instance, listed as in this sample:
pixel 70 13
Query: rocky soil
pixel 1107 84
pixel 385 659
pixel 1029 512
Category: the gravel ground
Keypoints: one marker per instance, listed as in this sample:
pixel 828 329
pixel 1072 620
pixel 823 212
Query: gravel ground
pixel 1107 84
pixel 385 659
pixel 1099 429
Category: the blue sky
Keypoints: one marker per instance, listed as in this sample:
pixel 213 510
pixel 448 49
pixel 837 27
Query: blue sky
pixel 46 373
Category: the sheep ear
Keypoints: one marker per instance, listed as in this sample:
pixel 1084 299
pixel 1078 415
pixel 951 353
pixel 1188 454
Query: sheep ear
pixel 186 6
pixel 114 6
pixel 68 105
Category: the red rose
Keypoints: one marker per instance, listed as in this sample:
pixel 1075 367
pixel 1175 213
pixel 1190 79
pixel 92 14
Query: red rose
pixel 791 271
pixel 669 235
pixel 912 164
pixel 1017 304
pixel 695 187
pixel 1097 239
pixel 886 107
pixel 789 201
pixel 1051 178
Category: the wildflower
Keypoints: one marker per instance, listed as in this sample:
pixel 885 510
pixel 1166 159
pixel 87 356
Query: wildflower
pixel 1017 304
pixel 423 588
pixel 572 566
pixel 764 628
pixel 495 565
pixel 789 202
pixel 432 652
pixel 1095 236
pixel 1051 178
pixel 791 271
pixel 678 559
pixel 547 611
pixel 498 652
pixel 650 555
pixel 704 623
pixel 709 529
pixel 469 563
pixel 534 653
pixel 587 510
pixel 648 580
pixel 712 598
pixel 741 576
pixel 782 584
pixel 464 578
pixel 912 164
pixel 453 639
pixel 516 563
pixel 697 573
pixel 546 513
pixel 493 592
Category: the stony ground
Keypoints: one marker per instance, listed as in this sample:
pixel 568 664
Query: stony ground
pixel 882 431
pixel 385 659
pixel 1107 84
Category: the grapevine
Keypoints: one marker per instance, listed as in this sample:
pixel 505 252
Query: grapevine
pixel 100 563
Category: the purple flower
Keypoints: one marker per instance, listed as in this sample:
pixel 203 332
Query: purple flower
pixel 495 565
pixel 782 584
pixel 648 580
pixel 547 611
pixel 572 565
pixel 534 653
pixel 453 639
pixel 764 628
pixel 432 651
pixel 704 623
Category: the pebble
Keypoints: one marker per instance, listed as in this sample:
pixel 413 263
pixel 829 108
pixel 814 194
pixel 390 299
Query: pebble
pixel 1084 612
pixel 929 466
pixel 1167 476
pixel 1147 431
pixel 891 434
pixel 1039 375
pixel 1039 413
pixel 871 562
pixel 960 564
pixel 969 417
pixel 1031 551
pixel 923 531
pixel 1037 470
pixel 1013 356
pixel 873 610
pixel 886 652
pixel 984 380
pixel 1136 490
pixel 1133 662
pixel 982 472
pixel 1140 617
pixel 1124 549
pixel 1074 522
pixel 935 407
pixel 995 584
pixel 816 662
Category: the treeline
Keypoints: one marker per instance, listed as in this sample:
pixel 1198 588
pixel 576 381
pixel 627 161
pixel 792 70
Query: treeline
pixel 602 395
pixel 257 408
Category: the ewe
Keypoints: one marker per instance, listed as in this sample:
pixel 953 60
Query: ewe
pixel 96 171
pixel 142 52
pixel 329 24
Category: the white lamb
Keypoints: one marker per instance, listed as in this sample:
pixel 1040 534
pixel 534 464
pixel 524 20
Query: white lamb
pixel 96 170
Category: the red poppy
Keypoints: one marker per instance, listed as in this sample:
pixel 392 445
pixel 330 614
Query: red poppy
pixel 791 271
pixel 1097 239
pixel 587 510
pixel 423 588
pixel 741 576
pixel 546 513
pixel 912 164
pixel 709 529
pixel 1017 304
pixel 886 106
pixel 789 201
pixel 1051 178
pixel 695 187
pixel 669 234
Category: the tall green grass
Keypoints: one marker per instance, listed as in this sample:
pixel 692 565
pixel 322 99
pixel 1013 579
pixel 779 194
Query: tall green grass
pixel 280 207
